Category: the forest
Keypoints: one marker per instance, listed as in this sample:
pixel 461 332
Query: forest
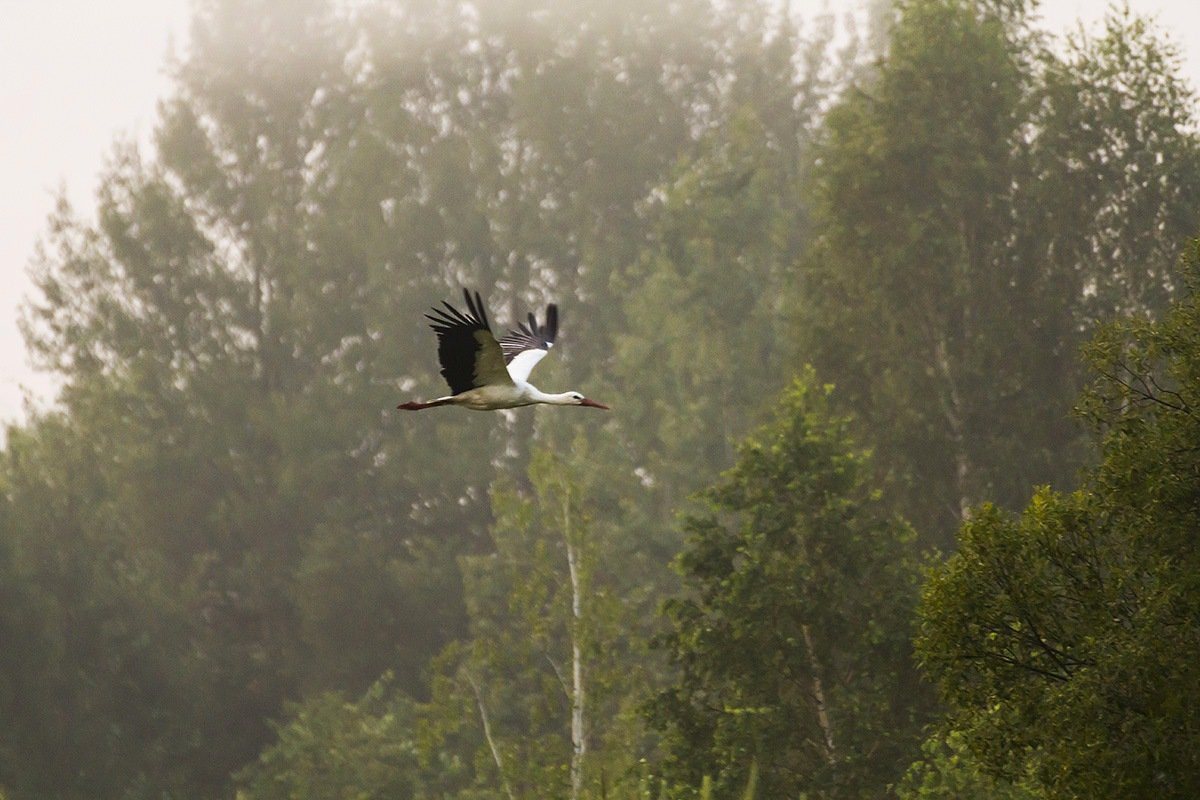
pixel 898 313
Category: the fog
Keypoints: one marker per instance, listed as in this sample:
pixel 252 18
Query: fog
pixel 82 74
pixel 895 313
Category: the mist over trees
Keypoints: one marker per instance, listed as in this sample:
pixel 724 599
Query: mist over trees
pixel 834 275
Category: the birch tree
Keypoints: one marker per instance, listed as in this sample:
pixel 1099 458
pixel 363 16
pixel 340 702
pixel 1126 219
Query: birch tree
pixel 534 688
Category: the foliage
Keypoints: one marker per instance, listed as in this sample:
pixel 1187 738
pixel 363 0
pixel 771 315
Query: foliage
pixel 537 690
pixel 792 643
pixel 948 771
pixel 233 327
pixel 97 636
pixel 712 287
pixel 222 523
pixel 334 748
pixel 1062 638
pixel 1115 135
pixel 969 236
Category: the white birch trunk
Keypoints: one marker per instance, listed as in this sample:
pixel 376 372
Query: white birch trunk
pixel 953 409
pixel 487 735
pixel 578 729
pixel 818 691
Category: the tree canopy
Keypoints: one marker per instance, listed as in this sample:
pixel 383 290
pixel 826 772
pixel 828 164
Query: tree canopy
pixel 1049 631
pixel 227 566
pixel 792 643
pixel 969 238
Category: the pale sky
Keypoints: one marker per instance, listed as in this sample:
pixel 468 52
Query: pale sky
pixel 78 74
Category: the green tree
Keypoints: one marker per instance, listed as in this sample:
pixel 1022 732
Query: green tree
pixel 1062 638
pixel 696 340
pixel 331 748
pixel 97 636
pixel 222 505
pixel 1114 147
pixel 969 237
pixel 948 771
pixel 535 690
pixel 217 447
pixel 708 297
pixel 792 642
pixel 706 310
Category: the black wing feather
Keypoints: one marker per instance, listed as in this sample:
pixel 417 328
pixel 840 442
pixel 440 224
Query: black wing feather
pixel 476 308
pixel 458 346
pixel 531 336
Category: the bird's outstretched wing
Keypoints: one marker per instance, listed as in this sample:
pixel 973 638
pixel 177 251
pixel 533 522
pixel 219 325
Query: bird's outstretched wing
pixel 468 352
pixel 528 344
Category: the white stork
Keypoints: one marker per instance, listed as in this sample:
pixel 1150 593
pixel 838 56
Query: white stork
pixel 486 375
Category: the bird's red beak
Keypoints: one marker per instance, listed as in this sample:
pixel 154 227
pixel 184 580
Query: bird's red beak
pixel 592 404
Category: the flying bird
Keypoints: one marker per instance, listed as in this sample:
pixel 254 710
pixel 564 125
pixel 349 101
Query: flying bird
pixel 485 374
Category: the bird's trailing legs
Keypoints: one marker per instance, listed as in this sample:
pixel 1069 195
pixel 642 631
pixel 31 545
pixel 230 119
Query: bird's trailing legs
pixel 413 405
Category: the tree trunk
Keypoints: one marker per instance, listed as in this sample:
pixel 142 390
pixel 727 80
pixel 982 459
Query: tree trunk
pixel 818 691
pixel 578 730
pixel 952 407
pixel 487 735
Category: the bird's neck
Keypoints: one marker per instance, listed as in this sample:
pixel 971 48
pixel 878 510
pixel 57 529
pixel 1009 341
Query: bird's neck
pixel 560 399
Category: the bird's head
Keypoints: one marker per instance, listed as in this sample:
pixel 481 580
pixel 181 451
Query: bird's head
pixel 576 399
